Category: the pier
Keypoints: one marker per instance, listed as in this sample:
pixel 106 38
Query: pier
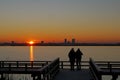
pixel 60 70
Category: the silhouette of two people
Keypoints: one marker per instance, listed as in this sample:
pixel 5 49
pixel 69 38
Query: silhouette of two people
pixel 75 57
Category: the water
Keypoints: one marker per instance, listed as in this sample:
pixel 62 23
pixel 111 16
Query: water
pixel 34 53
pixel 107 53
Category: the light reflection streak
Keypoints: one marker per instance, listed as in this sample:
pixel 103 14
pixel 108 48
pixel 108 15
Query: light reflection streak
pixel 31 54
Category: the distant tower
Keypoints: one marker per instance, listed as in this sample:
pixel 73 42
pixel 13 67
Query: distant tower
pixel 42 42
pixel 65 40
pixel 73 41
pixel 12 43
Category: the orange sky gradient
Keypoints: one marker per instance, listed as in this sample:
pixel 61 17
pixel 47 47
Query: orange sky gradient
pixel 54 20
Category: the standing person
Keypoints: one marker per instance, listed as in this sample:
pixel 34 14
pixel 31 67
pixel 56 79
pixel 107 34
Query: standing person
pixel 78 56
pixel 71 56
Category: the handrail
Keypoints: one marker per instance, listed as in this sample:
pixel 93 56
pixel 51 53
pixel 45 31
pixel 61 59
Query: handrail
pixel 99 68
pixel 22 64
pixel 109 65
pixel 46 72
pixel 66 64
pixel 63 64
pixel 49 71
pixel 95 70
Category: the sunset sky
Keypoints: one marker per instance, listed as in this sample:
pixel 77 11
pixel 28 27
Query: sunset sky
pixel 55 20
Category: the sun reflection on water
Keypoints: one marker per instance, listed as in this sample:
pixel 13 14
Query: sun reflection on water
pixel 31 54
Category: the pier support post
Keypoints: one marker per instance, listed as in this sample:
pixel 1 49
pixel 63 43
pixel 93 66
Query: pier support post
pixel 32 75
pixel 100 77
pixel 36 77
pixel 2 78
pixel 39 77
pixel 114 77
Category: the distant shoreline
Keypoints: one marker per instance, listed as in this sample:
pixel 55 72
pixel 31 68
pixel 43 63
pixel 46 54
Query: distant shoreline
pixel 59 44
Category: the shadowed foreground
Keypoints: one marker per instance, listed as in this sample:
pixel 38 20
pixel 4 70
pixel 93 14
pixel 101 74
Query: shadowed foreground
pixel 73 75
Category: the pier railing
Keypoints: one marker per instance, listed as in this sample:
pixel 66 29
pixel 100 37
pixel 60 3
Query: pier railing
pixel 22 64
pixel 66 65
pixel 49 71
pixel 99 68
pixel 95 70
pixel 46 70
pixel 39 70
pixel 110 66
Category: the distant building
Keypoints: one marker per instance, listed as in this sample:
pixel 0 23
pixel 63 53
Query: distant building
pixel 65 40
pixel 12 43
pixel 42 42
pixel 73 41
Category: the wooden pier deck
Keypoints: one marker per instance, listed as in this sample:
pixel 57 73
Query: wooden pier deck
pixel 83 74
pixel 60 70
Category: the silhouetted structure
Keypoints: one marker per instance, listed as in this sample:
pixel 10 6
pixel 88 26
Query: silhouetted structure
pixel 65 41
pixel 71 56
pixel 114 77
pixel 73 41
pixel 78 56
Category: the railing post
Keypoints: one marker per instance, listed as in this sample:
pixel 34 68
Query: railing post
pixel 39 77
pixel 43 76
pixel 34 78
pixel 17 64
pixel 61 64
pixel 2 63
pixel 58 65
pixel 47 62
pixel 9 66
pixel 26 67
pixel 99 77
pixel 31 63
pixel 114 77
pixel 2 77
pixel 109 66
pixel 46 71
pixel 42 65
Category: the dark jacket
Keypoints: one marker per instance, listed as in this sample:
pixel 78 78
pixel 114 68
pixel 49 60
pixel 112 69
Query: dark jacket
pixel 78 54
pixel 71 55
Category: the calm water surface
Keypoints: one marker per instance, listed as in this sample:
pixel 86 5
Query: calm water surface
pixel 34 53
pixel 107 53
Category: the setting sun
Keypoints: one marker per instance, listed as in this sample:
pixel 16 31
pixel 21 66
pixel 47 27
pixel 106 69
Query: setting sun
pixel 31 42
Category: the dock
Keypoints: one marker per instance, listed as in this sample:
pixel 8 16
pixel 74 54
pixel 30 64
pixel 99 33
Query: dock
pixel 73 75
pixel 60 70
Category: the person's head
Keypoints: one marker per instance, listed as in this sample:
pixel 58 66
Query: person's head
pixel 72 49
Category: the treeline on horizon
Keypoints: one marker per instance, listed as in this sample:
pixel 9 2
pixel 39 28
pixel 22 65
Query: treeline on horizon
pixel 60 44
